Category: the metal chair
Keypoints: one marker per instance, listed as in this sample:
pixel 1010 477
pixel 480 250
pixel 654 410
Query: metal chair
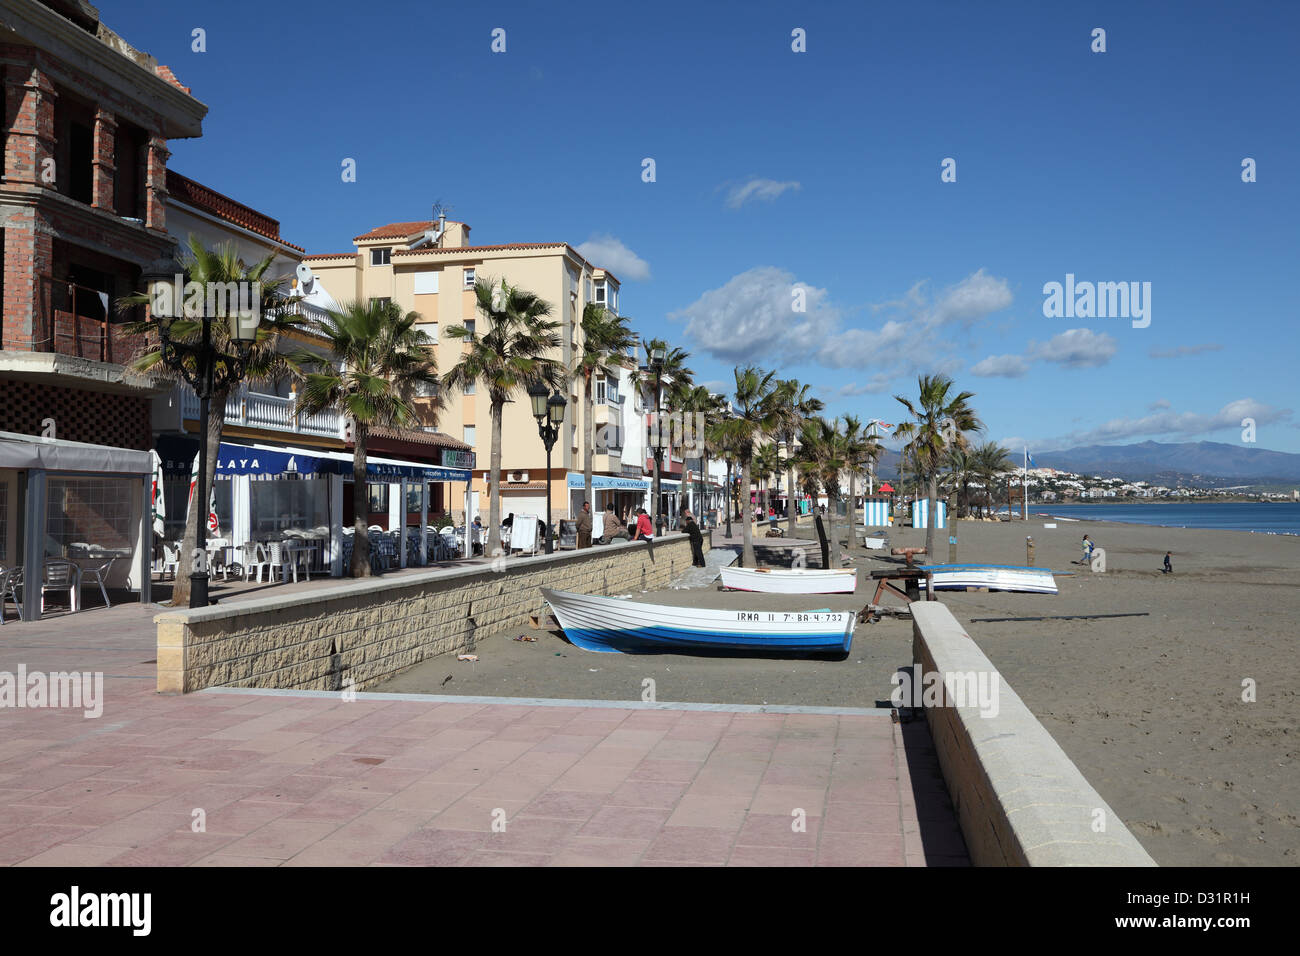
pixel 98 572
pixel 11 581
pixel 60 574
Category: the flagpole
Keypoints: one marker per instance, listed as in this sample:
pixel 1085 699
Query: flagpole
pixel 1024 488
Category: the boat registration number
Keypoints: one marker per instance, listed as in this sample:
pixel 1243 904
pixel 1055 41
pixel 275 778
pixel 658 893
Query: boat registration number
pixel 788 617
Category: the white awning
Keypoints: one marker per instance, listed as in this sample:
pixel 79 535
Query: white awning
pixel 55 454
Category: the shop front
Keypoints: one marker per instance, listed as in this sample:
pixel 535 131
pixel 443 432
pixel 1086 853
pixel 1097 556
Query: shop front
pixel 625 493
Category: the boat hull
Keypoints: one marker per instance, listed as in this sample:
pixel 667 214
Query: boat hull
pixel 605 625
pixel 948 577
pixel 780 581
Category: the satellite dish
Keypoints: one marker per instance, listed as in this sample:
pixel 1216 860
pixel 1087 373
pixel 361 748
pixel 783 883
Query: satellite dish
pixel 304 274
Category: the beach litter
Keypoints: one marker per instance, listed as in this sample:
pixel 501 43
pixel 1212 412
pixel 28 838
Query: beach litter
pixel 466 657
pixel 526 638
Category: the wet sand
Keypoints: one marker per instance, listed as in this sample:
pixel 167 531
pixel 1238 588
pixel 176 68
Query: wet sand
pixel 1150 707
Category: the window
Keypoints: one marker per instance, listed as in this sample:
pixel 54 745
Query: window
pixel 600 292
pixel 600 391
pixel 380 257
pixel 378 497
pixel 468 437
pixel 384 301
pixel 469 278
pixel 430 329
pixel 469 326
pixel 613 298
pixel 470 388
pixel 426 283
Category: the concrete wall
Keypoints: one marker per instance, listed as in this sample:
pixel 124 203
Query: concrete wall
pixel 366 631
pixel 1019 799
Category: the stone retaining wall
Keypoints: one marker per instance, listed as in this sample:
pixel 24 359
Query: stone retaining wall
pixel 1019 799
pixel 368 630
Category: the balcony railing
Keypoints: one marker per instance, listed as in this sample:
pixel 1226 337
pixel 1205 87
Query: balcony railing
pixel 270 412
pixel 80 321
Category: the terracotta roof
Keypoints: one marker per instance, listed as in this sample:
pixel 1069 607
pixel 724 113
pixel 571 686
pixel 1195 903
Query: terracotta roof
pixel 402 230
pixel 439 439
pixel 192 193
pixel 332 255
pixel 166 73
pixel 508 245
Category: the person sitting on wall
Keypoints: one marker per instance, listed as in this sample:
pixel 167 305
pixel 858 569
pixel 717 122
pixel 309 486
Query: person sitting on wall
pixel 644 529
pixel 614 527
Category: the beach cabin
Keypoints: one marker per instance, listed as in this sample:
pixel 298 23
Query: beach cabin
pixel 920 509
pixel 876 510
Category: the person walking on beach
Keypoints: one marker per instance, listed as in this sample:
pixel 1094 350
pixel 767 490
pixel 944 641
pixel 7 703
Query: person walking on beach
pixel 584 526
pixel 697 539
pixel 614 526
pixel 1169 564
pixel 1087 550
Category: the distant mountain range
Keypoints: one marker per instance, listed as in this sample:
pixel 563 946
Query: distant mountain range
pixel 1203 463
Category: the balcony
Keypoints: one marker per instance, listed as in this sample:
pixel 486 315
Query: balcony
pixel 78 321
pixel 269 412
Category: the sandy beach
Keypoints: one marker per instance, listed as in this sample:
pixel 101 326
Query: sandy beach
pixel 1149 707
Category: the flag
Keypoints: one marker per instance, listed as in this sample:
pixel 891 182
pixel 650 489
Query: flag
pixel 1031 462
pixel 213 525
pixel 156 495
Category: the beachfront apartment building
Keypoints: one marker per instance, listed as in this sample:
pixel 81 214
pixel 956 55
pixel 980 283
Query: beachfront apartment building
pixel 430 267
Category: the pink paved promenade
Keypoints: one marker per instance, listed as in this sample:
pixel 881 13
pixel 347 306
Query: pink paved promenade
pixel 316 780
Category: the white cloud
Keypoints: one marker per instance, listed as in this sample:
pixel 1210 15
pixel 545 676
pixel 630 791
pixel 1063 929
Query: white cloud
pixel 1168 423
pixel 1001 366
pixel 1075 348
pixel 758 190
pixel 1158 404
pixel 1182 351
pixel 878 384
pixel 753 316
pixel 607 252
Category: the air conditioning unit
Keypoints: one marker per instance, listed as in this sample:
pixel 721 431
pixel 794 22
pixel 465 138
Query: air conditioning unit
pixel 517 477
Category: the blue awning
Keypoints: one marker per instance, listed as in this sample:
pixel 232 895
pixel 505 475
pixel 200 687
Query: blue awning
pixel 271 461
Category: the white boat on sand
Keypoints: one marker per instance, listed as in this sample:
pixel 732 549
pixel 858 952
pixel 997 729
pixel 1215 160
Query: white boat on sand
pixel 995 577
pixel 796 581
pixel 596 623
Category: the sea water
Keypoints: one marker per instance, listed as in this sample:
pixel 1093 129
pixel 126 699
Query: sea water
pixel 1269 517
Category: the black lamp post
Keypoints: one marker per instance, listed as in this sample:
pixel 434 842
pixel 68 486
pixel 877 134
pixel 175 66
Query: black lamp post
pixel 657 366
pixel 165 280
pixel 549 413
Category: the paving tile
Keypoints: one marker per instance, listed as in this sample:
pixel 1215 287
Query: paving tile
pixel 691 845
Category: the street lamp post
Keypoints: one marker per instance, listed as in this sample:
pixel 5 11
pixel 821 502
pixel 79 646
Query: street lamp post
pixel 657 366
pixel 549 413
pixel 164 280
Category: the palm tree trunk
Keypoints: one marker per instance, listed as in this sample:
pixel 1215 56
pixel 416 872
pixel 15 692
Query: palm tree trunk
pixel 747 558
pixel 199 510
pixel 932 516
pixel 853 492
pixel 790 509
pixel 494 489
pixel 726 498
pixel 589 437
pixel 360 506
pixel 832 538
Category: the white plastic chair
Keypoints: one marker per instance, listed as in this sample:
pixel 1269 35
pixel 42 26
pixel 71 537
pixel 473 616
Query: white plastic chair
pixel 253 557
pixel 171 559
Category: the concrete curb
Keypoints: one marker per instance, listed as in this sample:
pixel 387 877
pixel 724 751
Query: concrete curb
pixel 1020 800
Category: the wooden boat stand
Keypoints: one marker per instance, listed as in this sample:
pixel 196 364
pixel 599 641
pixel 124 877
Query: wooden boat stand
pixel 910 576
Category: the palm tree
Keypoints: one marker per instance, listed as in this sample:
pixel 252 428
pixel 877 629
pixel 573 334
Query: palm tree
pixel 938 417
pixel 988 460
pixel 383 362
pixel 824 455
pixel 265 360
pixel 606 339
pixel 756 415
pixel 506 359
pixel 796 406
pixel 860 447
pixel 678 378
pixel 960 469
pixel 767 462
pixel 700 401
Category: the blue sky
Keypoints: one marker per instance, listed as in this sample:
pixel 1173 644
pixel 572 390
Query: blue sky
pixel 821 171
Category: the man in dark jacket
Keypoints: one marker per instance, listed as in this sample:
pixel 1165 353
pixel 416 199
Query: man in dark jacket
pixel 584 526
pixel 697 539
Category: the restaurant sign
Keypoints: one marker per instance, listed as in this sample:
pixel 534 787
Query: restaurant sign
pixel 458 458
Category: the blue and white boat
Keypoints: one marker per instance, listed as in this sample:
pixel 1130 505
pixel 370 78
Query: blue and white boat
pixel 607 624
pixel 995 577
